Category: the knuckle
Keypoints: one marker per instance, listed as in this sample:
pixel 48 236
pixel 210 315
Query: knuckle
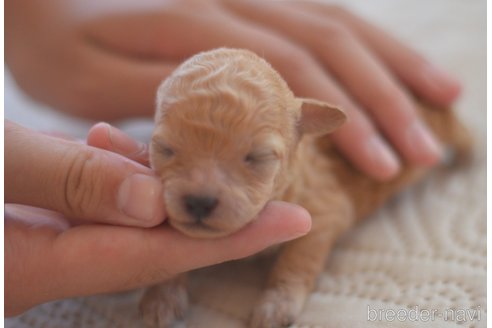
pixel 81 188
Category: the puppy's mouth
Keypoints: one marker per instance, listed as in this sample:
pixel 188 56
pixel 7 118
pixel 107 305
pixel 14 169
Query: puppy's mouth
pixel 199 229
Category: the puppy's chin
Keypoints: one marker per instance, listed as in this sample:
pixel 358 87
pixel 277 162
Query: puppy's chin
pixel 214 226
pixel 200 230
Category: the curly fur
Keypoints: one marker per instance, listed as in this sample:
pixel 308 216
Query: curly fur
pixel 229 127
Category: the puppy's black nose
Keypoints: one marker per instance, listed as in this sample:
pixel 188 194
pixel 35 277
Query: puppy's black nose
pixel 200 206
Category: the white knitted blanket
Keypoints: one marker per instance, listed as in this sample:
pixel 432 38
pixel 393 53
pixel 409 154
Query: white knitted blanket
pixel 419 262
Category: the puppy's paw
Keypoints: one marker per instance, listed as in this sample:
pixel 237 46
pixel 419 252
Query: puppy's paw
pixel 164 305
pixel 277 308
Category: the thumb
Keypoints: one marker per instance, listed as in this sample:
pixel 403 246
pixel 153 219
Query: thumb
pixel 79 181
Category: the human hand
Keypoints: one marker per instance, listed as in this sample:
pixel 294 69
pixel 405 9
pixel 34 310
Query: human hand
pixel 322 51
pixel 83 183
pixel 47 257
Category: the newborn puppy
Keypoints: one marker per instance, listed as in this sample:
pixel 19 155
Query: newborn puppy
pixel 230 136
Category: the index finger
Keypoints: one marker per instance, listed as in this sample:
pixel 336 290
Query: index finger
pixel 104 136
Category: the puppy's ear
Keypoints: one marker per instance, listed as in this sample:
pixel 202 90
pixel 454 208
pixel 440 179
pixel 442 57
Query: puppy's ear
pixel 319 118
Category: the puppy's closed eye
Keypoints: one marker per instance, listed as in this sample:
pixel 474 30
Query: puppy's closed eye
pixel 266 149
pixel 163 149
pixel 260 157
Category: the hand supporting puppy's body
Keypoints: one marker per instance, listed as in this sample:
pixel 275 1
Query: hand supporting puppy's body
pixel 229 137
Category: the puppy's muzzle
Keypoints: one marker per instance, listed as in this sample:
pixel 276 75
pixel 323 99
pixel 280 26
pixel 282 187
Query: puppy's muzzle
pixel 199 207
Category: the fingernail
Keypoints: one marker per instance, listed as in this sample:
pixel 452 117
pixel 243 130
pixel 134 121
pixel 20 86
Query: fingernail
pixel 140 197
pixel 303 224
pixel 423 144
pixel 123 144
pixel 300 222
pixel 383 157
pixel 439 80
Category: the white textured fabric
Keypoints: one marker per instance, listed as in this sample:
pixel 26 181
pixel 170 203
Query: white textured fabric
pixel 424 251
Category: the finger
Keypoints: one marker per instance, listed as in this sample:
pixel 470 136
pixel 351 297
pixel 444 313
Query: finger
pixel 362 144
pixel 423 77
pixel 82 182
pixel 61 135
pixel 152 35
pixel 105 136
pixel 36 217
pixel 358 139
pixel 28 234
pixel 112 86
pixel 88 262
pixel 363 76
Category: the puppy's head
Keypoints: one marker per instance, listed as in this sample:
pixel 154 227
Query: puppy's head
pixel 227 127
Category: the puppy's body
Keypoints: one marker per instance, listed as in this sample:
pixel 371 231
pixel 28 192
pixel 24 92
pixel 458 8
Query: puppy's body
pixel 337 196
pixel 293 163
